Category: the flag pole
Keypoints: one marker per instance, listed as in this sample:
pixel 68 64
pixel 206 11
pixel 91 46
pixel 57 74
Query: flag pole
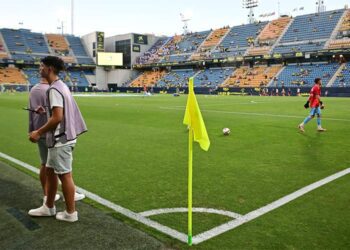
pixel 190 153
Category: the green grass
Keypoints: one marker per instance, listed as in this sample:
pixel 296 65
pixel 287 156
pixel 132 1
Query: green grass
pixel 135 155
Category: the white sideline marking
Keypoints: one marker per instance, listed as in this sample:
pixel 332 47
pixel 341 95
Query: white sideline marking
pixel 194 209
pixel 128 213
pixel 207 234
pixel 265 209
pixel 20 163
pixel 224 104
pixel 107 95
pixel 257 114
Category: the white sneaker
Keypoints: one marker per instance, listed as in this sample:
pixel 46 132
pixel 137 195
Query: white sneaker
pixel 43 211
pixel 320 129
pixel 64 216
pixel 57 197
pixel 77 197
pixel 301 128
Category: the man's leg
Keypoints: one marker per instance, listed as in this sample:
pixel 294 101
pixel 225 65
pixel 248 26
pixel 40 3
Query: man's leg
pixel 51 187
pixel 307 119
pixel 48 208
pixel 319 126
pixel 43 178
pixel 68 189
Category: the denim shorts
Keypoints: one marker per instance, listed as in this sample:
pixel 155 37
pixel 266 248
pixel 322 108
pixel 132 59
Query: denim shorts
pixel 60 159
pixel 315 111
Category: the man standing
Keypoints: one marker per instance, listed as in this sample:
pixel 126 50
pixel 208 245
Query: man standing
pixel 37 99
pixel 316 105
pixel 64 125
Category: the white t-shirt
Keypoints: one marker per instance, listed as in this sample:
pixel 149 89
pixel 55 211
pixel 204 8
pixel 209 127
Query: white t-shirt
pixel 56 100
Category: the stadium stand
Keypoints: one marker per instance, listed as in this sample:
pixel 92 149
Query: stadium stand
pixel 345 26
pixel 339 44
pixel 152 56
pixel 343 78
pixel 309 32
pixel 78 78
pixel 176 78
pixel 212 77
pixel 76 45
pixel 299 47
pixel 68 59
pixel 2 47
pixel 32 75
pixel 214 38
pixel 148 78
pixel 342 40
pixel 58 43
pixel 255 51
pixel 274 29
pixel 170 45
pixel 238 40
pixel 85 60
pixel 3 52
pixel 72 78
pixel 210 42
pixel 268 36
pixel 176 58
pixel 14 39
pixel 12 75
pixel 36 42
pixel 252 77
pixel 304 74
pixel 190 42
pixel 312 26
pixel 78 49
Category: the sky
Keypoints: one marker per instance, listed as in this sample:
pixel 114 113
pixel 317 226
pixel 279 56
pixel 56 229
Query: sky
pixel 159 17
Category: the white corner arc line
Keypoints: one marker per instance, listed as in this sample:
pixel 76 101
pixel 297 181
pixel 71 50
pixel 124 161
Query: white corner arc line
pixel 126 212
pixel 194 209
pixel 207 234
pixel 265 209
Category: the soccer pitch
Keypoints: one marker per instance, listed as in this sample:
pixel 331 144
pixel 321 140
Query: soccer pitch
pixel 135 155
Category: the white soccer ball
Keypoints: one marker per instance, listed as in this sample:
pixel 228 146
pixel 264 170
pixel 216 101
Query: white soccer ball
pixel 226 131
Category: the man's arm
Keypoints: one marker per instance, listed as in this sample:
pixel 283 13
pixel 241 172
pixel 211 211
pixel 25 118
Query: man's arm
pixel 54 120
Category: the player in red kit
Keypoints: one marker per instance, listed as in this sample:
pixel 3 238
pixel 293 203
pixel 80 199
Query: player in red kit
pixel 316 105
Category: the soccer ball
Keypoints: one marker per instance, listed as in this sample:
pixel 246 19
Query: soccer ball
pixel 226 131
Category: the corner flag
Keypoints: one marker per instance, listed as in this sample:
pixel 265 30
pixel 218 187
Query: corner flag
pixel 197 132
pixel 193 118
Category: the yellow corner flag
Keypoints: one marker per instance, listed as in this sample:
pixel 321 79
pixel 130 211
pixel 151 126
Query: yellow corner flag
pixel 197 132
pixel 193 118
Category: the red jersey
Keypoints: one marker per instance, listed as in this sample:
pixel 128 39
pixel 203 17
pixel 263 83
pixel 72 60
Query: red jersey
pixel 315 91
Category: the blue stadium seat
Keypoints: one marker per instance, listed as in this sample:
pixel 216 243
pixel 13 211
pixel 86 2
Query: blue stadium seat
pixel 176 78
pixel 343 79
pixel 312 26
pixel 212 77
pixel 304 74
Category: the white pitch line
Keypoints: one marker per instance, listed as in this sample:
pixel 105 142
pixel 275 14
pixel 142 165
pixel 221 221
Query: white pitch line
pixel 20 163
pixel 128 213
pixel 256 114
pixel 194 209
pixel 265 209
pixel 102 95
pixel 225 104
pixel 205 235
